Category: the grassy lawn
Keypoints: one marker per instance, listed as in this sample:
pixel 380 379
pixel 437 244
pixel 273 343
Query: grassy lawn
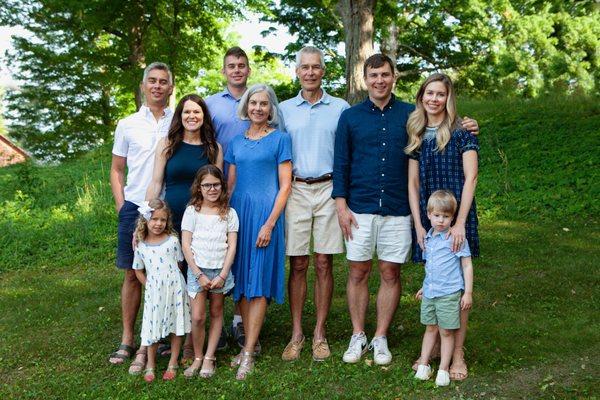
pixel 534 330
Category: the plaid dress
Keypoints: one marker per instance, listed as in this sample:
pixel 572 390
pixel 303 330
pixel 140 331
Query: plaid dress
pixel 445 171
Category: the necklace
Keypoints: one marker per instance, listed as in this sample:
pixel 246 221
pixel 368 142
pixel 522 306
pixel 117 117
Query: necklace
pixel 261 133
pixel 251 141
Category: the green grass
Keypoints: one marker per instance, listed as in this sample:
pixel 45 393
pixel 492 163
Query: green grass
pixel 534 331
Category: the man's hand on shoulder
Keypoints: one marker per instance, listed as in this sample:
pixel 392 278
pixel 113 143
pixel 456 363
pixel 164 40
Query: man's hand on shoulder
pixel 470 125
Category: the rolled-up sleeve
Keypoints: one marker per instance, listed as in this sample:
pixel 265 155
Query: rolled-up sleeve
pixel 341 158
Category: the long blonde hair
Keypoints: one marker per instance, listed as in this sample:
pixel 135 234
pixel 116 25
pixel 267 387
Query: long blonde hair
pixel 141 229
pixel 417 121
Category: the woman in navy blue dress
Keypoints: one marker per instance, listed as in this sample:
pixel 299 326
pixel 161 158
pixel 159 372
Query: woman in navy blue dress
pixel 189 145
pixel 443 156
pixel 260 179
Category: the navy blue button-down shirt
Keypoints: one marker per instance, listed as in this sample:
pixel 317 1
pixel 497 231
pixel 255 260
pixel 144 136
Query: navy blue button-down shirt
pixel 370 168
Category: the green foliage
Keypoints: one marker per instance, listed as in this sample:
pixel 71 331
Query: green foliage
pixel 536 50
pixel 314 22
pixel 523 47
pixel 80 66
pixel 265 68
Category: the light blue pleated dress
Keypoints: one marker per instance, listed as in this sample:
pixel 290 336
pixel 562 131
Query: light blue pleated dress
pixel 258 272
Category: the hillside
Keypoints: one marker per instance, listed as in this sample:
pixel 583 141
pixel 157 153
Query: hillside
pixel 534 328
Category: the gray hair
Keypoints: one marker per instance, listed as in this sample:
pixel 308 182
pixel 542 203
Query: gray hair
pixel 242 110
pixel 309 50
pixel 158 65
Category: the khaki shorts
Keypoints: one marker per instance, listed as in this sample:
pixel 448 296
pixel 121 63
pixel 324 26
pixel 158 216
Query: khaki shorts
pixel 310 211
pixel 390 235
pixel 442 311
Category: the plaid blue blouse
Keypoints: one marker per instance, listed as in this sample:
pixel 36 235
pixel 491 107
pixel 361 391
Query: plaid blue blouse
pixel 444 170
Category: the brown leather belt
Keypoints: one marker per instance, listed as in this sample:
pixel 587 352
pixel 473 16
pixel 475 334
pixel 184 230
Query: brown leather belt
pixel 311 180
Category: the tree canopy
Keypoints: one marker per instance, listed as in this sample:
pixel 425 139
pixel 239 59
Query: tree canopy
pixel 80 64
pixel 509 46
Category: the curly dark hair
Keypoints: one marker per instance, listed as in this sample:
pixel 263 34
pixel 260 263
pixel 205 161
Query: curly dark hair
pixel 207 131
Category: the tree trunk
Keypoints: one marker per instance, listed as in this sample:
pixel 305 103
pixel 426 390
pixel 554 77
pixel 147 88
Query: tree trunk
pixel 389 43
pixel 137 57
pixel 357 17
pixel 105 113
pixel 175 34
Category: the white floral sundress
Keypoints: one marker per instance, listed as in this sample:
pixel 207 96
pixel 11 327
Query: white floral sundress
pixel 166 305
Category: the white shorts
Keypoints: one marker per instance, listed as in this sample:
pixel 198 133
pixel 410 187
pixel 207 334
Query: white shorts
pixel 390 235
pixel 311 211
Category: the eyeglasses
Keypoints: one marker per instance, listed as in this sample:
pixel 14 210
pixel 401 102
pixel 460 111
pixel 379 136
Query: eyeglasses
pixel 208 186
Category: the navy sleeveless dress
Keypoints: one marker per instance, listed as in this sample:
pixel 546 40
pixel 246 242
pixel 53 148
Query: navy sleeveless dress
pixel 180 172
pixel 445 171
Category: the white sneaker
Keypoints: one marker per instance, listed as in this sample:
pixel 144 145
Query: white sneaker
pixel 381 353
pixel 356 349
pixel 423 372
pixel 442 378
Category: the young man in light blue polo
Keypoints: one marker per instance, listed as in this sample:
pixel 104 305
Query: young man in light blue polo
pixel 447 288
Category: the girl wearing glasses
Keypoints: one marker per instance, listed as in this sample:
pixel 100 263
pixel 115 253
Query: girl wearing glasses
pixel 209 236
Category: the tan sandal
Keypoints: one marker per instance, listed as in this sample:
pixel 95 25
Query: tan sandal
pixel 137 366
pixel 192 371
pixel 236 360
pixel 246 366
pixel 208 372
pixel 460 372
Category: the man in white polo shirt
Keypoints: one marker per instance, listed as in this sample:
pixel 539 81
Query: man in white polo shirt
pixel 133 151
pixel 311 119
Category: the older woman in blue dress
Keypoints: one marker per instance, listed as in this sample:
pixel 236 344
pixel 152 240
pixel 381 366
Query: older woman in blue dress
pixel 260 175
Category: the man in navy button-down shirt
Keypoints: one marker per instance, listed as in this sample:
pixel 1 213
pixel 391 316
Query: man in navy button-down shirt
pixel 371 192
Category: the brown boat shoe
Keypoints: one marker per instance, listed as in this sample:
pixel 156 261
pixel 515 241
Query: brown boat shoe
pixel 292 350
pixel 320 350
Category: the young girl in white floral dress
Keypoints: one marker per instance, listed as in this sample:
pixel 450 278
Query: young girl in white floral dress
pixel 166 306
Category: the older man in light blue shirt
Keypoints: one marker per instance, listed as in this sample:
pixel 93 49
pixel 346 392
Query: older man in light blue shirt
pixel 311 119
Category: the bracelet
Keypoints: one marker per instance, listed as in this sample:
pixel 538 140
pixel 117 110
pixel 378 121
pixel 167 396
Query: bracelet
pixel 221 277
pixel 198 275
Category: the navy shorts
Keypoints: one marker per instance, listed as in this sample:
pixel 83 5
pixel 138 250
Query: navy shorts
pixel 128 216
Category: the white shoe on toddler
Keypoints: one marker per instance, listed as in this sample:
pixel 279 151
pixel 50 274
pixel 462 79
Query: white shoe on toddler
pixel 423 372
pixel 442 378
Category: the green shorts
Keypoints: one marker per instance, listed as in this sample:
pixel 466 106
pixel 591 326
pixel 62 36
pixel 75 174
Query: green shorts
pixel 442 311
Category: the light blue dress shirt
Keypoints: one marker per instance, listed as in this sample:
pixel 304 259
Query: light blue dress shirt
pixel 443 272
pixel 312 128
pixel 223 111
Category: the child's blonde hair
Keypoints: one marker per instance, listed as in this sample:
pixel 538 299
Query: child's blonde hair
pixel 196 190
pixel 442 201
pixel 417 120
pixel 141 229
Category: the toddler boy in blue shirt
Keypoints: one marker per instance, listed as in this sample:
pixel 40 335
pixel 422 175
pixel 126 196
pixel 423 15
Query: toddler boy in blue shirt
pixel 447 287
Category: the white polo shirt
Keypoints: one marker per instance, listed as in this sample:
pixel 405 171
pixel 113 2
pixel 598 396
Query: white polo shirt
pixel 136 138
